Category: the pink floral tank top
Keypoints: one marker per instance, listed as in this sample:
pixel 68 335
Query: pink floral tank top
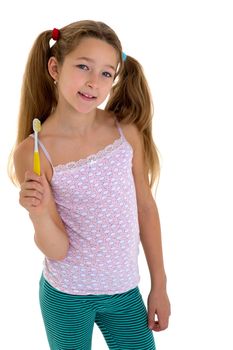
pixel 96 200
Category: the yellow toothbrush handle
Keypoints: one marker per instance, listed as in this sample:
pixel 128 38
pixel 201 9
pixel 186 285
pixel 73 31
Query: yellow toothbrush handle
pixel 36 166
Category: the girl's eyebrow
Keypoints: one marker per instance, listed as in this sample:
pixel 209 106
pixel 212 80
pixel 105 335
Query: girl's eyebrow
pixel 92 61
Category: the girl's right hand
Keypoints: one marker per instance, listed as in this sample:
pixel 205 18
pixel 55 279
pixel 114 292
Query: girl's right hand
pixel 35 194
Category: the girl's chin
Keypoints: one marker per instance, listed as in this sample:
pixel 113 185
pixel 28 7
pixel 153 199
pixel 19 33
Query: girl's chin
pixel 84 109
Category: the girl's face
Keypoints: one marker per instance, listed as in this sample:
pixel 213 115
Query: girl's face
pixel 86 75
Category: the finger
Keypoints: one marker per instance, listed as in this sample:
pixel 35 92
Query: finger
pixel 44 181
pixel 35 202
pixel 31 176
pixel 163 322
pixel 29 202
pixel 32 185
pixel 156 327
pixel 151 317
pixel 31 193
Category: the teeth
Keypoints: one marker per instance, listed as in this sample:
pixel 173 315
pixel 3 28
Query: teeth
pixel 86 95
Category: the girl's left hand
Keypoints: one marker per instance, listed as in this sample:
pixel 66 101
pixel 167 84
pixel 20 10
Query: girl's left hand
pixel 158 303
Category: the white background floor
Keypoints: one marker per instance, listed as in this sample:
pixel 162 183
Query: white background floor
pixel 186 50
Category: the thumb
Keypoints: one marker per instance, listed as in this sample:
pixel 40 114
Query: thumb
pixel 151 316
pixel 44 180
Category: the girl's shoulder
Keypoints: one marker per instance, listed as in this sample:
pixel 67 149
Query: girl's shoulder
pixel 23 158
pixel 24 149
pixel 131 133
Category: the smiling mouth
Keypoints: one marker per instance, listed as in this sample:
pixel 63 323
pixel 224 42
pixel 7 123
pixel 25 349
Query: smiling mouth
pixel 86 96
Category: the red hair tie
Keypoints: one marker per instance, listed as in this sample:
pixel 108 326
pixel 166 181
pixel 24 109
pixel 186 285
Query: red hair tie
pixel 55 34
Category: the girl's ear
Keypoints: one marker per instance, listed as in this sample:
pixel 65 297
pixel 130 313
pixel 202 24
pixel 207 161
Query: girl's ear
pixel 53 68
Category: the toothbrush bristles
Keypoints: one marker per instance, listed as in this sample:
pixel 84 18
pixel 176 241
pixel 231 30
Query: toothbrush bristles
pixel 36 125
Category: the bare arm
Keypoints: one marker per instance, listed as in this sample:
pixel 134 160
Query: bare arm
pixel 36 196
pixel 150 234
pixel 50 235
pixel 151 240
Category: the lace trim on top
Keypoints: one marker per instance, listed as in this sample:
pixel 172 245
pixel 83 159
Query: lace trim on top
pixel 92 158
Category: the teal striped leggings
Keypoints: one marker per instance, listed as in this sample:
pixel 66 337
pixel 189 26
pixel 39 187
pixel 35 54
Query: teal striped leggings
pixel 69 319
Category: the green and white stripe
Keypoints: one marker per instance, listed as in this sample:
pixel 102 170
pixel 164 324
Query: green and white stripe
pixel 69 319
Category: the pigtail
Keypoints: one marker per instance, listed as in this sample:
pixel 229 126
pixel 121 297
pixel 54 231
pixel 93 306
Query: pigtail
pixel 38 96
pixel 37 93
pixel 131 101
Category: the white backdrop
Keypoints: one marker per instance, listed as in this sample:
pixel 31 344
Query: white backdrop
pixel 186 50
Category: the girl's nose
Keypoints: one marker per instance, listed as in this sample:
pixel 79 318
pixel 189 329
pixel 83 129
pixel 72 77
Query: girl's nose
pixel 93 81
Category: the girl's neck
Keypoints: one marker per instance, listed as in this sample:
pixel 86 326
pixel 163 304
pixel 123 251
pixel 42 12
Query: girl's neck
pixel 75 123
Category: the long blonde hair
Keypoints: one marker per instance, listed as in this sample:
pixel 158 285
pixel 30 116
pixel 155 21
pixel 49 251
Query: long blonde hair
pixel 130 97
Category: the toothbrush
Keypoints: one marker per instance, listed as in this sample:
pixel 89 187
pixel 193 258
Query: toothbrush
pixel 36 159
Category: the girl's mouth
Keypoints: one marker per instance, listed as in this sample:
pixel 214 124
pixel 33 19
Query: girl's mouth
pixel 86 97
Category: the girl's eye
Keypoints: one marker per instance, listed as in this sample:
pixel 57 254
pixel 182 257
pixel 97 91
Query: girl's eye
pixel 82 66
pixel 107 75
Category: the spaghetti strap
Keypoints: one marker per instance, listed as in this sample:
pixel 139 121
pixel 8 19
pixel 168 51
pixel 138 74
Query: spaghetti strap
pixel 119 128
pixel 44 150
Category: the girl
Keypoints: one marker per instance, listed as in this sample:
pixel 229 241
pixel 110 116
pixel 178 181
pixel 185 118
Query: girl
pixel 92 204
